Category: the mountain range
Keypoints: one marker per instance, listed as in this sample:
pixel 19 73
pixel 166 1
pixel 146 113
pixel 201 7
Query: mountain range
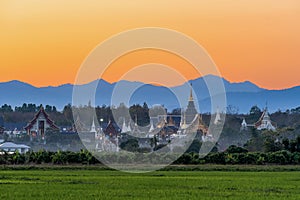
pixel 240 96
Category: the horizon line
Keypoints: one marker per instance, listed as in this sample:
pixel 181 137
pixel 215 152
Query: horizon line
pixel 153 84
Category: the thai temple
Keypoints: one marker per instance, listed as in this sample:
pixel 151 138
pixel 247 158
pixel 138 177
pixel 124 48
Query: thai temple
pixel 163 127
pixel 167 128
pixel 264 122
pixel 111 130
pixel 37 127
pixel 190 113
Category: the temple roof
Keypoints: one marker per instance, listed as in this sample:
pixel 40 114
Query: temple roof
pixel 201 126
pixel 79 126
pixel 264 117
pixel 111 129
pixel 48 120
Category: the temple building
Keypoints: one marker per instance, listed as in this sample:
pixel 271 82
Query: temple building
pixel 264 122
pixel 111 130
pixel 39 124
pixel 166 128
pixel 126 128
pixel 202 128
pixel 191 112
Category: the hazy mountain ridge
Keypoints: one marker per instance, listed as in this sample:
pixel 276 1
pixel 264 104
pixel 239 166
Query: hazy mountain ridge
pixel 242 95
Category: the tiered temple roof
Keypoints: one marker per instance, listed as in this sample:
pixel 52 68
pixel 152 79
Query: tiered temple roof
pixel 265 122
pixel 111 130
pixel 37 115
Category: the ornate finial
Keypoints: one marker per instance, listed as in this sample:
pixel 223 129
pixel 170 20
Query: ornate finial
pixel 191 93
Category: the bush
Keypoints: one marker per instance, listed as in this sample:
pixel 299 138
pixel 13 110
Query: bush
pixel 216 158
pixel 295 158
pixel 280 157
pixel 236 149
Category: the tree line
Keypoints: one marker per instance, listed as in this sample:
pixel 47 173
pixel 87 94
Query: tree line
pixel 231 156
pixel 139 113
pixel 26 112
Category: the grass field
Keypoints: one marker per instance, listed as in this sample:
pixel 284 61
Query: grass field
pixel 104 184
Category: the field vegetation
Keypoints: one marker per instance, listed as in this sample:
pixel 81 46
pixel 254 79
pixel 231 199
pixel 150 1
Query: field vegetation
pixel 103 184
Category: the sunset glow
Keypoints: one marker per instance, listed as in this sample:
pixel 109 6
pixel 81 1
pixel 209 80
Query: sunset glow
pixel 44 42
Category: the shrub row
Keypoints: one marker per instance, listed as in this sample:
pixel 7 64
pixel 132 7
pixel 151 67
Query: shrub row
pixel 253 158
pixel 84 157
pixel 42 157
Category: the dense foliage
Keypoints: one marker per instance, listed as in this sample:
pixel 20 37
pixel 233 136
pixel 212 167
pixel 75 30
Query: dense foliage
pixel 231 157
pixel 24 113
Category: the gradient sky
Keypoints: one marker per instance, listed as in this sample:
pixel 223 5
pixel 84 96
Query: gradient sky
pixel 44 42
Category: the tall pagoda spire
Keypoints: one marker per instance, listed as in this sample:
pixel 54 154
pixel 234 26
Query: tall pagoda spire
pixel 191 110
pixel 191 98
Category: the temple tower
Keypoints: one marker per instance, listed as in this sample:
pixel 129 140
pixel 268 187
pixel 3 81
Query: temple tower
pixel 191 110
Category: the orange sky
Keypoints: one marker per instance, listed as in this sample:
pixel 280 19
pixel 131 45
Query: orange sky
pixel 45 42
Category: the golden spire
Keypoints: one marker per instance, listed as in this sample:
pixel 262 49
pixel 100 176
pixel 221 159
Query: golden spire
pixel 191 93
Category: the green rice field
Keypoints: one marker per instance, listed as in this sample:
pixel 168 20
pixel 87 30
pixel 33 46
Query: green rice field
pixel 105 184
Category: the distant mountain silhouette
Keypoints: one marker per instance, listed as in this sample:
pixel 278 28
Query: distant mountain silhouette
pixel 240 95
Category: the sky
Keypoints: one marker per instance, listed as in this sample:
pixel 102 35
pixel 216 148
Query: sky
pixel 45 42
